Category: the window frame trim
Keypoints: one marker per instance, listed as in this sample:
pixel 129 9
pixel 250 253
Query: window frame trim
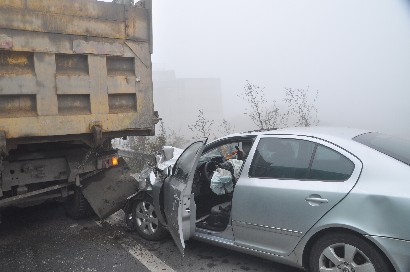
pixel 357 163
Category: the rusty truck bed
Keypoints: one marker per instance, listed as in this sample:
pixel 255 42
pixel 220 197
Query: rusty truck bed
pixel 69 65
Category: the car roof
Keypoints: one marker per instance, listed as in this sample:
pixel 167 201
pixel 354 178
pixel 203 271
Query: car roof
pixel 338 132
pixel 316 131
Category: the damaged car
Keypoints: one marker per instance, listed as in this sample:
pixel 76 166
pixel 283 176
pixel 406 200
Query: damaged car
pixel 326 199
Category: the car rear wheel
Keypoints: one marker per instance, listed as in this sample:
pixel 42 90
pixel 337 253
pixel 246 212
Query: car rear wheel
pixel 146 220
pixel 346 253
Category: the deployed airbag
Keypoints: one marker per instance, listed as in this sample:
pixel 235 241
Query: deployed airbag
pixel 221 182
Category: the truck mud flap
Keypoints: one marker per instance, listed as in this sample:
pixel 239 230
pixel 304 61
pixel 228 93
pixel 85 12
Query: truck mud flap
pixel 108 190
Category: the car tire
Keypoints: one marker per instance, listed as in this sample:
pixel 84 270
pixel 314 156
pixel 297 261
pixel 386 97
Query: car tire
pixel 129 217
pixel 146 221
pixel 329 252
pixel 76 206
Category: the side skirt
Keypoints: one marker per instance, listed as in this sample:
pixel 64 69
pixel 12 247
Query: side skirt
pixel 215 239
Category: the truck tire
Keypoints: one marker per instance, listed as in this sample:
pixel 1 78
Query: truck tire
pixel 77 206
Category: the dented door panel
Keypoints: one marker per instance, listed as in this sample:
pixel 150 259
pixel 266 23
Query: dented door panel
pixel 179 204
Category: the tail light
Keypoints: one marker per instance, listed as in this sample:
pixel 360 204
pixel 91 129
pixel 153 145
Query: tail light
pixel 107 161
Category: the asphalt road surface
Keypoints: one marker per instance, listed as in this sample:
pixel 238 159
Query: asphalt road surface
pixel 43 238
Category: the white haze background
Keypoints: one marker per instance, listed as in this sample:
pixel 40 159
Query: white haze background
pixel 356 53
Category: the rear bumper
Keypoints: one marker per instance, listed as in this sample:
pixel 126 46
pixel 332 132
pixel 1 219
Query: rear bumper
pixel 397 250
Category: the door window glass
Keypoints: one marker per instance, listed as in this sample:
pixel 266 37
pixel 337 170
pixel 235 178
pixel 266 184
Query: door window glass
pixel 185 162
pixel 228 150
pixel 330 165
pixel 220 151
pixel 282 158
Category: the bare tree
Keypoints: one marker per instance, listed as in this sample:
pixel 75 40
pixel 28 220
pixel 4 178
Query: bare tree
pixel 302 106
pixel 176 139
pixel 263 114
pixel 146 147
pixel 226 127
pixel 155 144
pixel 202 127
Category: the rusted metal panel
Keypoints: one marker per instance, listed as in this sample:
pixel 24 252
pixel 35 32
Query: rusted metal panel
pixel 89 9
pixel 141 51
pixel 105 75
pixel 42 22
pixel 121 84
pixel 118 103
pixel 73 84
pixel 18 106
pixel 59 43
pixel 117 66
pixel 98 79
pixel 72 125
pixel 12 200
pixel 16 63
pixel 138 24
pixel 44 64
pixel 79 17
pixel 144 90
pixel 107 191
pixel 27 84
pixel 74 104
pixel 71 64
pixel 12 4
pixel 99 48
pixel 6 42
pixel 22 172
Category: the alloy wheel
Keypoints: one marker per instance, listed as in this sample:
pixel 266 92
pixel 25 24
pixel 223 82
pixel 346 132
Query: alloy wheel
pixel 146 218
pixel 344 258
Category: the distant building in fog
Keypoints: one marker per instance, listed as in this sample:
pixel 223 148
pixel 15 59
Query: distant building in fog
pixel 178 100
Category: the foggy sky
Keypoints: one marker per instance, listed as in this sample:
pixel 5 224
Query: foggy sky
pixel 356 53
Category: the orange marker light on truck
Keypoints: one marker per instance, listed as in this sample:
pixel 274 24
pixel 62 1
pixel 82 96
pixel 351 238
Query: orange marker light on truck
pixel 114 161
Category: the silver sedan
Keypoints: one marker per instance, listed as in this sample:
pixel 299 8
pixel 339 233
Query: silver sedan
pixel 326 199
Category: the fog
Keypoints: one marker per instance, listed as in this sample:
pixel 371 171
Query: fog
pixel 355 53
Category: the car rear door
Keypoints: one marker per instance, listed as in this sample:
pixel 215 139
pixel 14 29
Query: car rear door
pixel 290 183
pixel 179 204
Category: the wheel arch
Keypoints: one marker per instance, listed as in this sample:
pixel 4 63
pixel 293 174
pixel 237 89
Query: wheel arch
pixel 139 195
pixel 312 240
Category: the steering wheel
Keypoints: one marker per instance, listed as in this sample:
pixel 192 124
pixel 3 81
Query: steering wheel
pixel 209 169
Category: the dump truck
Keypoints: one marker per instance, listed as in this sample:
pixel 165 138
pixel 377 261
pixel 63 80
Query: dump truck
pixel 74 74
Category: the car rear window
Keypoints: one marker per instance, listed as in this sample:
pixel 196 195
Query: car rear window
pixel 330 165
pixel 394 147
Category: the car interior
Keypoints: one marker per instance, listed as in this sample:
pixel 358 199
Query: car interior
pixel 214 210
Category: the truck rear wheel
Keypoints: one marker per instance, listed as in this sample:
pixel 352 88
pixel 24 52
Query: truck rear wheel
pixel 77 206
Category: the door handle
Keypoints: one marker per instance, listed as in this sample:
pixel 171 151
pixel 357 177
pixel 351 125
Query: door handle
pixel 316 200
